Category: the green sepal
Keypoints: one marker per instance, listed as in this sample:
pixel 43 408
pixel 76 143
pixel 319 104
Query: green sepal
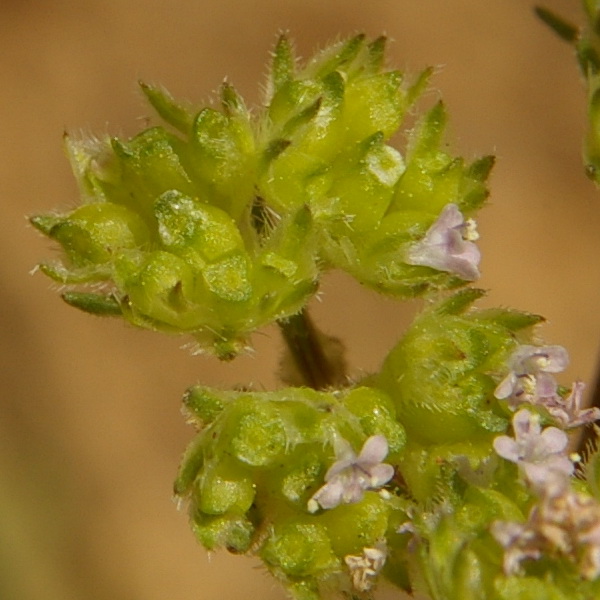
pixel 274 149
pixel 179 116
pixel 283 64
pixel 150 164
pixel 419 86
pixel 95 233
pixel 376 54
pixel 512 320
pixel 95 304
pixel 45 223
pixel 186 225
pixel 370 522
pixel 232 102
pixel 231 531
pixel 301 119
pixel 300 549
pixel 222 155
pixel 225 487
pixel 473 188
pixel 93 164
pixel 427 138
pixel 89 274
pixel 336 57
pixel 374 104
pixel 377 416
pixel 203 404
pixel 191 463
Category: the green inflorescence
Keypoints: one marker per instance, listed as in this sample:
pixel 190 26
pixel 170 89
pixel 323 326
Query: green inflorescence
pixel 223 220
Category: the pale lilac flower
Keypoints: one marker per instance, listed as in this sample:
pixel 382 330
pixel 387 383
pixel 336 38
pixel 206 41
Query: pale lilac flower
pixel 448 245
pixel 568 411
pixel 540 455
pixel 350 476
pixel 530 379
pixel 364 568
pixel 520 542
pixel 565 524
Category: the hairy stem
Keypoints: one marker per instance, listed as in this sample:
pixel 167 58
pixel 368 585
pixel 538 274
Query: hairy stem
pixel 308 348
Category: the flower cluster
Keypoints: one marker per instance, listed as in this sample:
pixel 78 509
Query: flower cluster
pixel 278 473
pixel 563 523
pixel 222 220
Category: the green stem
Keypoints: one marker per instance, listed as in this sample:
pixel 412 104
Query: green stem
pixel 306 345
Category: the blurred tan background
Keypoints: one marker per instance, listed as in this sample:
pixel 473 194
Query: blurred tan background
pixel 90 429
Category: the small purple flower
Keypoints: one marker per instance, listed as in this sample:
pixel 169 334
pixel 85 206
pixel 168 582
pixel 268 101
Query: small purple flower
pixel 448 246
pixel 530 379
pixel 541 455
pixel 568 412
pixel 520 542
pixel 350 476
pixel 563 524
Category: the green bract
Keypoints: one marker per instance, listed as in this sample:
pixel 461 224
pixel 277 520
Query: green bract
pixel 222 220
pixel 447 363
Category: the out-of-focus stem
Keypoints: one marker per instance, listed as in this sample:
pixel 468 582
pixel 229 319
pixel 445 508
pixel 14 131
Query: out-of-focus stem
pixel 305 343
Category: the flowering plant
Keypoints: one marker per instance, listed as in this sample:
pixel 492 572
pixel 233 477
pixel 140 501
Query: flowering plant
pixel 447 472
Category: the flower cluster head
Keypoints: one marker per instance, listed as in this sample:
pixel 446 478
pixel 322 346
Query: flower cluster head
pixel 351 475
pixel 221 220
pixel 260 469
pixel 563 523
